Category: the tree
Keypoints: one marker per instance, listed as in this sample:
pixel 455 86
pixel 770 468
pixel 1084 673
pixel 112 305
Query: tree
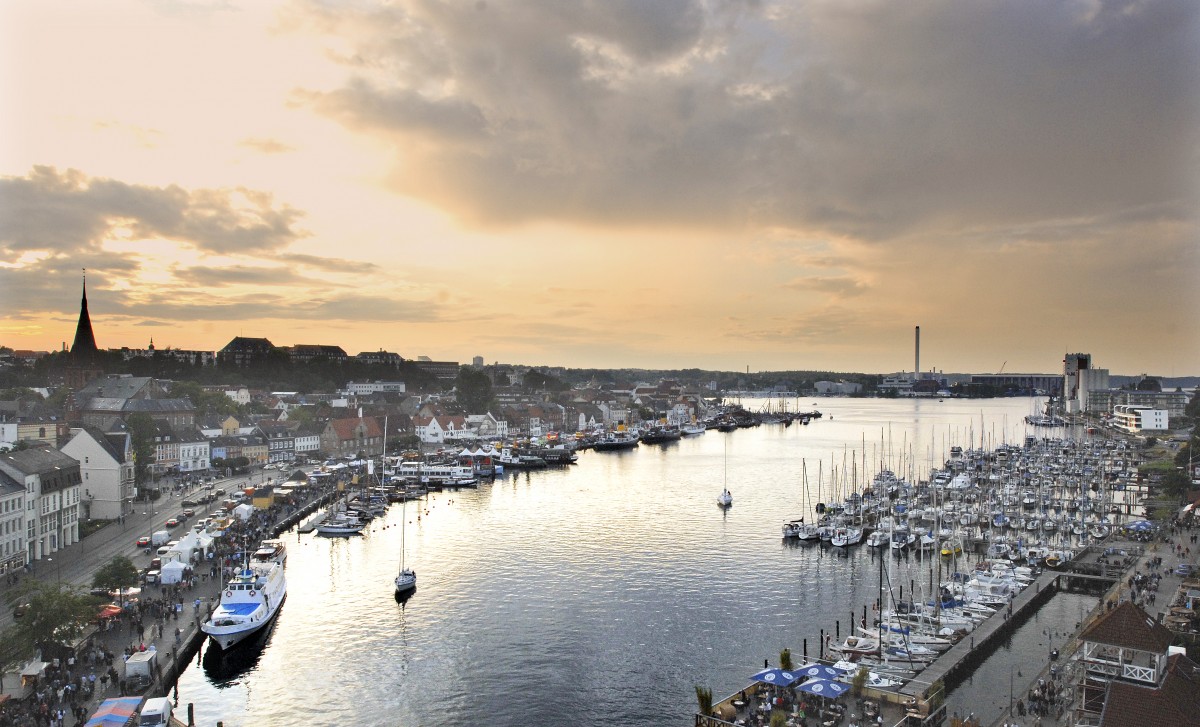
pixel 1175 484
pixel 141 432
pixel 785 660
pixel 57 615
pixel 474 390
pixel 117 575
pixel 704 700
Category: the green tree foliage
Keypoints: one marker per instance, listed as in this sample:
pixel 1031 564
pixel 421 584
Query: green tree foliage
pixel 1175 484
pixel 118 574
pixel 206 402
pixel 474 390
pixel 141 431
pixel 1192 410
pixel 704 699
pixel 57 614
pixel 540 381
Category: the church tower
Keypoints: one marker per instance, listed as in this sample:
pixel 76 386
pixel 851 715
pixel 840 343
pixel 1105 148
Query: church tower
pixel 82 361
pixel 85 341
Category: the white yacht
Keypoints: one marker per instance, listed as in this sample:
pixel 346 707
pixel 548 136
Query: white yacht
pixel 251 598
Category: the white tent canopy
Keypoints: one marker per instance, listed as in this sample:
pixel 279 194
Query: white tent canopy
pixel 172 572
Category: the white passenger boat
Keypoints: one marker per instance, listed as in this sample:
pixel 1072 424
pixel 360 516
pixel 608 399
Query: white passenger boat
pixel 251 599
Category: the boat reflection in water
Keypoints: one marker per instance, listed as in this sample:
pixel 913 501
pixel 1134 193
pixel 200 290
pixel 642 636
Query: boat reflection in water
pixel 224 667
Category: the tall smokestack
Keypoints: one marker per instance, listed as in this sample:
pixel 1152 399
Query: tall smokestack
pixel 917 363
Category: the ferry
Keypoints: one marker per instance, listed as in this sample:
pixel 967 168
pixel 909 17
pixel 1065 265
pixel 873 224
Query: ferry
pixel 251 598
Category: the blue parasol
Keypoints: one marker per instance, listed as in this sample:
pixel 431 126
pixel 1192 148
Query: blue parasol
pixel 824 687
pixel 819 671
pixel 778 677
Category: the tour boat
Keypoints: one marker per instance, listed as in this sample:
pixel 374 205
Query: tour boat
pixel 251 598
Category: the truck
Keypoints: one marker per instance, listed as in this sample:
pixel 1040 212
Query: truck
pixel 140 670
pixel 156 713
pixel 160 538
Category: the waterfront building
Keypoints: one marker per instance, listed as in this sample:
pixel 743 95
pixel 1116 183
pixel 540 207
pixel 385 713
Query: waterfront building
pixel 352 436
pixel 1080 378
pixel 441 429
pixel 1033 384
pixel 1134 419
pixel 306 442
pixel 281 441
pixel 194 451
pixel 52 485
pixel 107 468
pixel 1173 402
pixel 13 554
pixel 1130 678
pixel 837 388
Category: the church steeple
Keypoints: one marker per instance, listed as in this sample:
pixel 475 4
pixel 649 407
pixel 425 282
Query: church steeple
pixel 85 341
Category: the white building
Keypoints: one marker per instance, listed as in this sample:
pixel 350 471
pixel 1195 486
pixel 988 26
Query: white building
pixel 487 426
pixel 106 466
pixel 194 452
pixel 12 524
pixel 1132 418
pixel 367 388
pixel 52 485
pixel 307 443
pixel 441 429
pixel 1079 378
pixel 837 388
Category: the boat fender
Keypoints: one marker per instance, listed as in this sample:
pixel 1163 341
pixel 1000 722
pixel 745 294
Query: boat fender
pixel 229 594
pixel 251 594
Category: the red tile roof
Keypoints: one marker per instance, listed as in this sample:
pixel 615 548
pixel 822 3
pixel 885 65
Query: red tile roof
pixel 1175 704
pixel 1130 627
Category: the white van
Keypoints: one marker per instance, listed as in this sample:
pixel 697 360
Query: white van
pixel 155 713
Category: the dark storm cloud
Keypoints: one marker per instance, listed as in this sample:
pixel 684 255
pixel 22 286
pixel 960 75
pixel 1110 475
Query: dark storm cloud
pixel 68 212
pixel 874 119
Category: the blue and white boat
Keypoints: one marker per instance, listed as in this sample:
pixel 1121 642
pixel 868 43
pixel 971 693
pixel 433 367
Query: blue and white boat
pixel 251 598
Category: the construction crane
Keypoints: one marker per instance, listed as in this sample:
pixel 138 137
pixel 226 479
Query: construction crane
pixel 1002 367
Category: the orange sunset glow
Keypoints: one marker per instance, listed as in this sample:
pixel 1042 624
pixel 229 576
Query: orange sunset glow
pixel 671 184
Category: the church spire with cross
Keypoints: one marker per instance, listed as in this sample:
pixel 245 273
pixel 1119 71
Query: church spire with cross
pixel 85 341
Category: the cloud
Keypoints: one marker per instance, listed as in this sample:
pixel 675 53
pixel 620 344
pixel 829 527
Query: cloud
pixel 870 119
pixel 267 146
pixel 236 275
pixel 69 212
pixel 837 287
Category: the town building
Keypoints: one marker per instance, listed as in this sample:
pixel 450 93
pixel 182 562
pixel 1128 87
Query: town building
pixel 1080 378
pixel 366 388
pixel 52 483
pixel 13 554
pixel 441 429
pixel 352 437
pixel 107 468
pixel 242 351
pixel 1172 402
pixel 307 353
pixel 194 451
pixel 1136 419
pixel 444 370
pixel 386 358
pixel 281 441
pixel 1130 678
pixel 837 388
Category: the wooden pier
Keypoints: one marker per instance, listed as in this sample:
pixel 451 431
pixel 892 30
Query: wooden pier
pixel 950 667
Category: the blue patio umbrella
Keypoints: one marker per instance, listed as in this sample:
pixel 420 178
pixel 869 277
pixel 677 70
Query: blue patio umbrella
pixel 824 687
pixel 819 671
pixel 1139 526
pixel 778 677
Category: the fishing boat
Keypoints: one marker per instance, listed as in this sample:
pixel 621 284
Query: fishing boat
pixel 251 598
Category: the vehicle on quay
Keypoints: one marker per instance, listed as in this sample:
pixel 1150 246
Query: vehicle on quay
pixel 251 598
pixel 143 542
pixel 172 522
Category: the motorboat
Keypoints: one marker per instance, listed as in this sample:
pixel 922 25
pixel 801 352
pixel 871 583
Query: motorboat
pixel 251 598
pixel 341 526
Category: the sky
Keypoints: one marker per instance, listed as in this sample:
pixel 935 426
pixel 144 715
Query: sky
pixel 619 184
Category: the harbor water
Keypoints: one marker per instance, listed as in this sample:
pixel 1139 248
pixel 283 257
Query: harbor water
pixel 600 593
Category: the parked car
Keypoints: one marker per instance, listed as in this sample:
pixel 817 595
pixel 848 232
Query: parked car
pixel 143 542
pixel 1185 569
